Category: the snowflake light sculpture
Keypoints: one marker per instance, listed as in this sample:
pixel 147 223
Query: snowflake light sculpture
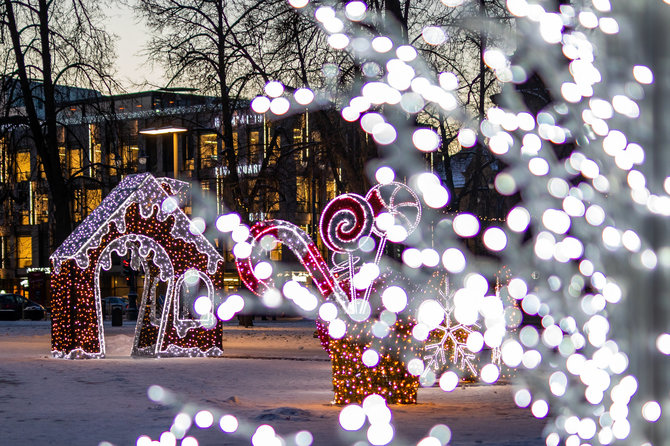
pixel 448 343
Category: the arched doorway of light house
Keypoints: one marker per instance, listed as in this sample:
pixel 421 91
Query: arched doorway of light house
pixel 134 279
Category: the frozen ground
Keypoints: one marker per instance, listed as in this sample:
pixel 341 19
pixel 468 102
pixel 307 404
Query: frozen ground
pixel 273 373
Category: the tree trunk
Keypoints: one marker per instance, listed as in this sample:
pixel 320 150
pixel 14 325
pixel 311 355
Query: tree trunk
pixel 45 145
pixel 233 180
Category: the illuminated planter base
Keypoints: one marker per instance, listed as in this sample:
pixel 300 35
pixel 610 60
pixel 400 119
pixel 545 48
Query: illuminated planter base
pixel 353 380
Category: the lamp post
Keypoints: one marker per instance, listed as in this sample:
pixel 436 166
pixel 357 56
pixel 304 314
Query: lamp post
pixel 167 130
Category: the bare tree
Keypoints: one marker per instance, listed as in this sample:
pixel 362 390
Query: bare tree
pixel 232 48
pixel 218 47
pixel 50 46
pixel 469 31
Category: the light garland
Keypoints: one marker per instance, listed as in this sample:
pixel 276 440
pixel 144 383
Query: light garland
pixel 587 245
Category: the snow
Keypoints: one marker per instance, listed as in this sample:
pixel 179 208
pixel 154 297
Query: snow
pixel 273 373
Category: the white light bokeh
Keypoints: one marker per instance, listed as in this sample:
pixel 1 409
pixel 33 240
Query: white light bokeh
pixel 466 225
pixel 352 417
pixel 448 381
pixel 394 299
pixel 260 104
pixel 274 89
pixel 303 96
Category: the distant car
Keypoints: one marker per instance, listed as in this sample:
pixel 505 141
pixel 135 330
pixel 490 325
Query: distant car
pixel 15 307
pixel 112 302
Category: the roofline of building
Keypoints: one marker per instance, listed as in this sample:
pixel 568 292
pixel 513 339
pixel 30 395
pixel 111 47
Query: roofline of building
pixel 138 94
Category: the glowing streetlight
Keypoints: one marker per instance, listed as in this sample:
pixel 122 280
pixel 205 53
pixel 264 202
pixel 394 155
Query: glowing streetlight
pixel 163 131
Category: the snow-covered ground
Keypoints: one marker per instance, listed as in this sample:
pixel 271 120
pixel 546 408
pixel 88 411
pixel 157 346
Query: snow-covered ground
pixel 273 373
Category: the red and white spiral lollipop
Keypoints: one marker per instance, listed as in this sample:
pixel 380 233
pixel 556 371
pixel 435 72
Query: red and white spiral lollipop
pixel 344 221
pixel 397 200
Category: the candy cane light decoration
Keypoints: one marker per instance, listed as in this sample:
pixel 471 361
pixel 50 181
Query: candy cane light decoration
pixel 264 235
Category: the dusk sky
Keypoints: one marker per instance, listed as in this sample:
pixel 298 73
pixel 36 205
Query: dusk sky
pixel 132 68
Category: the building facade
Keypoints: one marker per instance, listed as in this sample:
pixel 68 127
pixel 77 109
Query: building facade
pixel 281 169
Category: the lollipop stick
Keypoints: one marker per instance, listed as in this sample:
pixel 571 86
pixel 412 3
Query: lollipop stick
pixel 378 257
pixel 351 276
pixel 380 249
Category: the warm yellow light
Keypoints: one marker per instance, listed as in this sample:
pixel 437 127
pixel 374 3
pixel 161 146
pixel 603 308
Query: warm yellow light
pixel 162 130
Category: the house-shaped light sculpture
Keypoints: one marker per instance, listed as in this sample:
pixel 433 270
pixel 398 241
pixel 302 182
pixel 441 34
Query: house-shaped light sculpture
pixel 141 217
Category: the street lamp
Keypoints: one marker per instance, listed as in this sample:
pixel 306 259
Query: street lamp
pixel 163 131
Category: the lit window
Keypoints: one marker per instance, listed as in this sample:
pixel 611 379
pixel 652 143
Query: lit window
pixel 41 208
pixel 93 199
pixel 303 195
pixel 130 156
pixel 24 251
pixel 74 161
pixel 4 158
pixel 208 150
pixel 255 148
pixel 23 166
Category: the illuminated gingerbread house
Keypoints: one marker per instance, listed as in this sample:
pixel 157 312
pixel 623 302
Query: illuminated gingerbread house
pixel 141 218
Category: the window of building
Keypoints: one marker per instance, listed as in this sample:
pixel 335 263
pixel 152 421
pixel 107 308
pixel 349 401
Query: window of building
pixel 297 135
pixel 62 154
pixel 78 205
pixel 303 195
pixel 4 160
pixel 255 148
pixel 112 164
pixel 41 208
pixel 95 148
pixel 74 161
pixel 23 166
pixel 273 201
pixel 208 150
pixel 331 189
pixel 133 130
pixel 93 200
pixel 24 251
pixel 275 254
pixel 4 261
pixel 130 156
pixel 303 154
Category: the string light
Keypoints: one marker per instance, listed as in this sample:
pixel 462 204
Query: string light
pixel 576 363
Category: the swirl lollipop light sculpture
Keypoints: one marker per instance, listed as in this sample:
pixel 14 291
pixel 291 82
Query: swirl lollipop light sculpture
pixel 362 364
pixel 344 221
pixel 397 211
